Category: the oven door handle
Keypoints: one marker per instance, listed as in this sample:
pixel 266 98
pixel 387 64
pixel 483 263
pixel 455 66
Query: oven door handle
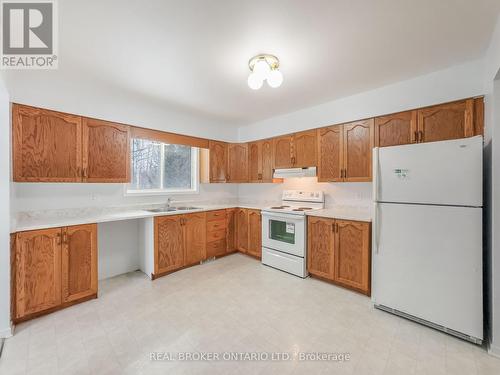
pixel 284 217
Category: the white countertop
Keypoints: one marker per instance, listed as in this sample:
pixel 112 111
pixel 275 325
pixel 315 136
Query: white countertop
pixel 64 217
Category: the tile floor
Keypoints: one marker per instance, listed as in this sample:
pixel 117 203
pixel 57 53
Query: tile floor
pixel 233 304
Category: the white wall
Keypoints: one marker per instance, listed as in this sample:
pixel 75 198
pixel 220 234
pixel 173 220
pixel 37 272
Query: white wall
pixel 492 194
pixel 454 83
pixel 4 211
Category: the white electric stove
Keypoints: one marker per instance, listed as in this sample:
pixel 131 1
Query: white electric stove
pixel 284 231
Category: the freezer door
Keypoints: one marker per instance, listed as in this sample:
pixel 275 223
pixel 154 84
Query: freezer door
pixel 427 262
pixel 447 173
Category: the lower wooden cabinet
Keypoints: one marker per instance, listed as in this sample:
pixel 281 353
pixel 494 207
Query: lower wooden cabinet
pixel 168 244
pixel 195 239
pixel 51 267
pixel 216 233
pixel 254 233
pixel 242 230
pixel 231 230
pixel 339 250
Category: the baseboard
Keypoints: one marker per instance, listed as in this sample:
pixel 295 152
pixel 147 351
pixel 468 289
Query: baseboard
pixel 7 332
pixel 494 350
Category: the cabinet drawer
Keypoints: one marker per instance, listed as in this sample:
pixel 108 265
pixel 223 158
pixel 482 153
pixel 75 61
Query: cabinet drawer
pixel 216 235
pixel 215 225
pixel 216 248
pixel 216 215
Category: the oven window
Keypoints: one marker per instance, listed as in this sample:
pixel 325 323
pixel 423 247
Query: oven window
pixel 282 231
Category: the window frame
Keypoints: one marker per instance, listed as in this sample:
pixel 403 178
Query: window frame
pixel 195 178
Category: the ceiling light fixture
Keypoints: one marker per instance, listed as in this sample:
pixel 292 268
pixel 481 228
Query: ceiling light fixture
pixel 264 67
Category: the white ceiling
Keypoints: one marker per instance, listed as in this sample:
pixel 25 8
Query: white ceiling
pixel 193 54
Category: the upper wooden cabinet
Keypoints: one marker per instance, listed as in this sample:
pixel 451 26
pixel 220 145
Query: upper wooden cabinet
pixel 320 243
pixel 283 151
pixel 396 129
pixel 260 161
pixel 168 243
pixel 305 149
pixel 51 268
pixel 345 152
pixel 296 150
pixel 237 156
pixel 106 151
pixel 352 255
pixel 254 233
pixel 79 262
pixel 330 153
pixel 47 145
pixel 358 144
pixel 446 121
pixel 218 161
pixel 194 227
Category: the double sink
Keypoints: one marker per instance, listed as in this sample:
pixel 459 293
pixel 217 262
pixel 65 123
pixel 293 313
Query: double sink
pixel 173 209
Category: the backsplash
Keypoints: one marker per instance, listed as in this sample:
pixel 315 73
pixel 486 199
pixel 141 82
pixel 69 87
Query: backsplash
pixel 357 194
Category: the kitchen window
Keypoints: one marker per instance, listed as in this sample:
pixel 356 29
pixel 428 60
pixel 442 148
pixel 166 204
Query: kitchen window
pixel 162 168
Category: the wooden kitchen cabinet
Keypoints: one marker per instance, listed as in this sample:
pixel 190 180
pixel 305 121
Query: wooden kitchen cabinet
pixel 218 161
pixel 358 143
pixel 195 242
pixel 242 230
pixel 168 244
pixel 231 230
pixel 446 121
pixel 305 149
pixel 216 233
pixel 254 233
pixel 106 151
pixel 283 151
pixel 46 146
pixel 339 251
pixel 52 268
pixel 320 244
pixel 260 161
pixel 237 162
pixel 330 153
pixel 345 152
pixel 352 255
pixel 79 262
pixel 396 129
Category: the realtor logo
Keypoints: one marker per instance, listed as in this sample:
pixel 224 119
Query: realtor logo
pixel 29 34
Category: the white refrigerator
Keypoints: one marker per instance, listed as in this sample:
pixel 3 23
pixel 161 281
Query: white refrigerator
pixel 427 234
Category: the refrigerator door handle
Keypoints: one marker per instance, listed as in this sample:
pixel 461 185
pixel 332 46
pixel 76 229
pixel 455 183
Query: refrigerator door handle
pixel 376 178
pixel 377 226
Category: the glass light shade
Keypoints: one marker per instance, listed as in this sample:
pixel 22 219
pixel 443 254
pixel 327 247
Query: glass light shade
pixel 254 81
pixel 275 78
pixel 261 69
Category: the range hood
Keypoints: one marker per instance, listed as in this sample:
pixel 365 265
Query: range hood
pixel 295 172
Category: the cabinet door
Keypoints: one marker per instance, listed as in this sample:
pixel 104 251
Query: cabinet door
pixel 106 151
pixel 254 233
pixel 358 143
pixel 46 145
pixel 283 151
pixel 396 129
pixel 218 161
pixel 79 262
pixel 242 230
pixel 330 153
pixel 169 243
pixel 267 160
pixel 195 237
pixel 320 242
pixel 352 255
pixel 238 162
pixel 446 121
pixel 231 230
pixel 37 271
pixel 255 162
pixel 305 149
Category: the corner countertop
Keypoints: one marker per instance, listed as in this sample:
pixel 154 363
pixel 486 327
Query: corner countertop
pixel 34 220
